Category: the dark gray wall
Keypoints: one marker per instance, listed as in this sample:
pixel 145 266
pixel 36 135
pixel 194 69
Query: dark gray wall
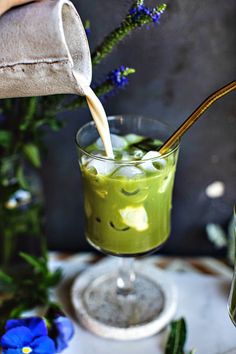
pixel 179 62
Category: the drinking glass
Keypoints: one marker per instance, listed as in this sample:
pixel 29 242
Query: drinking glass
pixel 127 206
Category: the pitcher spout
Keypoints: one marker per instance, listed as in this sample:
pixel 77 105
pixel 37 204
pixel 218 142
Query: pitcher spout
pixel 43 50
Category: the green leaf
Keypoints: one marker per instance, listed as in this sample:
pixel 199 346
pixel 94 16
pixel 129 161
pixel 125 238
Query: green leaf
pixel 5 138
pixel 54 278
pixel 38 264
pixel 31 151
pixel 21 178
pixel 177 337
pixel 5 278
pixel 31 108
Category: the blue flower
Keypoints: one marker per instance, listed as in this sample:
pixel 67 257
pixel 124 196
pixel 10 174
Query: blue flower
pixel 140 12
pixel 65 331
pixel 88 31
pixel 156 16
pixel 118 77
pixel 27 335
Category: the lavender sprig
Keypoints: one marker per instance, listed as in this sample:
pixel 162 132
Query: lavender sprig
pixel 138 16
pixel 118 77
pixel 115 79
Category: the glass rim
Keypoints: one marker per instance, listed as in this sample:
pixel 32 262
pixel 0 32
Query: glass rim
pixel 120 162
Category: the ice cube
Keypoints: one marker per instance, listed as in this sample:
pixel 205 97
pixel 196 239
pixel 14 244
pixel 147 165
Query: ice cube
pixel 101 167
pixel 151 155
pixel 128 172
pixel 126 156
pixel 157 163
pixel 133 138
pixel 137 154
pixel 86 158
pixel 135 217
pixel 118 143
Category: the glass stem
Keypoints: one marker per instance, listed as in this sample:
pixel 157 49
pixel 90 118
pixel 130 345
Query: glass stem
pixel 126 277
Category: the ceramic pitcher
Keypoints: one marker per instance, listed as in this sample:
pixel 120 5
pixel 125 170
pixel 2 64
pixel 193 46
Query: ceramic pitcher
pixel 43 50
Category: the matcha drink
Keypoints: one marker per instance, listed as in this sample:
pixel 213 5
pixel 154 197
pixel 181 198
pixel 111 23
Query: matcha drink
pixel 127 199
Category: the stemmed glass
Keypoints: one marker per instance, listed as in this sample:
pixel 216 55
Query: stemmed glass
pixel 127 207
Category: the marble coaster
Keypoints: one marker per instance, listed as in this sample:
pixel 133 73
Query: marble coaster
pixel 93 297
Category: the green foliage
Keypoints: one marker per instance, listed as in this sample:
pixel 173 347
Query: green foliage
pixel 32 153
pixel 5 139
pixel 5 278
pixel 30 291
pixel 177 337
pixel 29 113
pixel 39 265
pixel 21 178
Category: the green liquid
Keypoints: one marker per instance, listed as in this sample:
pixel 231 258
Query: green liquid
pixel 128 215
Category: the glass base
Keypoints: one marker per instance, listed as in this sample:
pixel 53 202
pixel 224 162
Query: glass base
pixel 103 312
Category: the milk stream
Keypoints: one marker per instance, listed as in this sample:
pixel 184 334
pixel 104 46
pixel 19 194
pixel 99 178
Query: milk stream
pixel 100 119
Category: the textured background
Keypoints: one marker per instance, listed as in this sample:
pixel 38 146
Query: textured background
pixel 179 62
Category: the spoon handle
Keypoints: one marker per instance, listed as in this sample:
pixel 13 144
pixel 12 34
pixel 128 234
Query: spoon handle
pixel 197 114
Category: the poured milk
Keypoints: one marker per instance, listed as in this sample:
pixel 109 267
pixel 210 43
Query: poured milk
pixel 100 119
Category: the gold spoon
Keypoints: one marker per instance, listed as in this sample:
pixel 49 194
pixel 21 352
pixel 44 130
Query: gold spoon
pixel 196 114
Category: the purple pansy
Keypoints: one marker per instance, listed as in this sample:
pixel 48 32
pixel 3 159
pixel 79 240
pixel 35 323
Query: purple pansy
pixel 35 324
pixel 27 336
pixel 64 332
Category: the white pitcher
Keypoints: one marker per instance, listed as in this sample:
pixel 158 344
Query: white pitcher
pixel 43 50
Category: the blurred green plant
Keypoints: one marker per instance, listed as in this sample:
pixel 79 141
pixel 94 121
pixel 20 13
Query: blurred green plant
pixel 19 296
pixel 223 239
pixel 177 338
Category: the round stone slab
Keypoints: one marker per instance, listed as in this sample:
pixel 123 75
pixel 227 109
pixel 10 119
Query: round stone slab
pixel 102 312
